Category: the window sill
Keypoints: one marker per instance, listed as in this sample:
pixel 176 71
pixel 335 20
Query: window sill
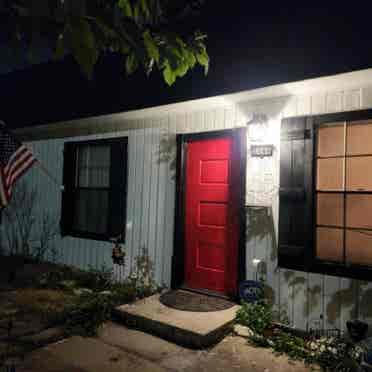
pixel 91 236
pixel 358 272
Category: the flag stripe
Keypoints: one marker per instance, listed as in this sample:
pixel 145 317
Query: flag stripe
pixel 3 196
pixel 21 170
pixel 16 166
pixel 14 157
pixel 15 160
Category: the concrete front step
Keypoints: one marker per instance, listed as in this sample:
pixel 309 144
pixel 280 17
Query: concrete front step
pixel 191 329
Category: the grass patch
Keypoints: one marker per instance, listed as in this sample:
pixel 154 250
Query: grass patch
pixel 41 301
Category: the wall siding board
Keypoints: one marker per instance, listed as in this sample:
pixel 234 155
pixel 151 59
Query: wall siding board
pixel 153 197
pixel 314 301
pixel 173 125
pixel 132 146
pixel 162 160
pixel 138 196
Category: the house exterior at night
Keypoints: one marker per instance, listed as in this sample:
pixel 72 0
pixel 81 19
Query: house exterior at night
pixel 272 183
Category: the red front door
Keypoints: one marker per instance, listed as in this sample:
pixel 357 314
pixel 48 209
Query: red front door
pixel 212 215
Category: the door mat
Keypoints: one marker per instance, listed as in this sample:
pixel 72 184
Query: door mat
pixel 191 301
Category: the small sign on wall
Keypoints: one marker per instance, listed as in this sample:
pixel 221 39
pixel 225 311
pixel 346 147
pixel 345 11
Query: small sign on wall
pixel 261 151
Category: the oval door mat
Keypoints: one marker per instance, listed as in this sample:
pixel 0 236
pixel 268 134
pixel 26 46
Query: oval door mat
pixel 191 301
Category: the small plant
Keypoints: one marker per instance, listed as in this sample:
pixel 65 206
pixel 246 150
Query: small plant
pixel 293 346
pixel 19 220
pixel 48 230
pixel 257 316
pixel 96 279
pixel 143 275
pixel 86 315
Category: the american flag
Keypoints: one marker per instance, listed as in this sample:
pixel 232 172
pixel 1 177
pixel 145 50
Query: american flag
pixel 15 159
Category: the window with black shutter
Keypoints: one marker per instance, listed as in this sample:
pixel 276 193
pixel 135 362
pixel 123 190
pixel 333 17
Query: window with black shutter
pixel 95 188
pixel 325 218
pixel 295 193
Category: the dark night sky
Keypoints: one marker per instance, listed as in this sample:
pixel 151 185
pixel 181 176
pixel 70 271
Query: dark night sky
pixel 251 44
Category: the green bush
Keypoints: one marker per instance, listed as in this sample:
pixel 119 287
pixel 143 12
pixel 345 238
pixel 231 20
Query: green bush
pixel 95 279
pixel 86 315
pixel 257 316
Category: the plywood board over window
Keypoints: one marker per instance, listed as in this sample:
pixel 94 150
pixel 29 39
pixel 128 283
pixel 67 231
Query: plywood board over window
pixel 330 174
pixel 359 211
pixel 331 141
pixel 330 244
pixel 359 173
pixel 330 209
pixel 358 246
pixel 359 138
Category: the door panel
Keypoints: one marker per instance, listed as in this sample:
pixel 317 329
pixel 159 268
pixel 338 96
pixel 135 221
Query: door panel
pixel 211 215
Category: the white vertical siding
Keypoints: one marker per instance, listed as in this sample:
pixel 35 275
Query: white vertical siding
pixel 310 300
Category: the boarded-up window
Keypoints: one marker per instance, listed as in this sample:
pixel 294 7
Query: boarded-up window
pixel 344 193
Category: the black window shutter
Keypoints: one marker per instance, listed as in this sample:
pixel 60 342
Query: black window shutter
pixel 296 194
pixel 118 192
pixel 67 209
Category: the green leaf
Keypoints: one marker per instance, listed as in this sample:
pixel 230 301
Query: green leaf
pixel 83 45
pixel 131 64
pixel 169 75
pixel 145 8
pixel 60 51
pixel 190 58
pixel 106 30
pixel 136 12
pixel 126 8
pixel 151 47
pixel 182 69
pixel 203 59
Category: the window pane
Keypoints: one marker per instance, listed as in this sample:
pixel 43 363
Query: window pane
pixel 359 211
pixel 329 244
pixel 359 173
pixel 331 141
pixel 91 211
pixel 93 166
pixel 359 247
pixel 100 156
pixel 330 175
pixel 359 139
pixel 330 209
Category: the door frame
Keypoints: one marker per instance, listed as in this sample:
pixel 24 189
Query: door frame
pixel 239 136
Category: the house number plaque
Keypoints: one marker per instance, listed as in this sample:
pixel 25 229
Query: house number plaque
pixel 261 151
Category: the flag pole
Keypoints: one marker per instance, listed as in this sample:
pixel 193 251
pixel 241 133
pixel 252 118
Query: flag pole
pixel 47 173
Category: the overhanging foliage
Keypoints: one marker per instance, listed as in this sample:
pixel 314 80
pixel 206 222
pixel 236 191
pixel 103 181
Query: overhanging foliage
pixel 138 30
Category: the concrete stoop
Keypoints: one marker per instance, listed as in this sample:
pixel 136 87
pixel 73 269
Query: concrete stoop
pixel 195 330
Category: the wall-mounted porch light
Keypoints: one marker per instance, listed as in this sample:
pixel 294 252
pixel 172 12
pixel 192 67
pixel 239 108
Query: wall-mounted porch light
pixel 258 127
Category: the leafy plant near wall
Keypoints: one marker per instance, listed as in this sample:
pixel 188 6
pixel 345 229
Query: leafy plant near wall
pixel 89 310
pixel 143 275
pixel 331 353
pixel 257 316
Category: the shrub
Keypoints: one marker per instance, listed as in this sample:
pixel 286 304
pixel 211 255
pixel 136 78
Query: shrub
pixel 257 316
pixel 86 314
pixel 96 279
